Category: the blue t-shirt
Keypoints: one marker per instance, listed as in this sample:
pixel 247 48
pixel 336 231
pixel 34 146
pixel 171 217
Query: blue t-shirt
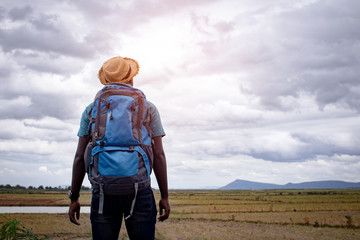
pixel 155 121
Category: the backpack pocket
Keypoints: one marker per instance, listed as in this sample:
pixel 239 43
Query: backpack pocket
pixel 118 163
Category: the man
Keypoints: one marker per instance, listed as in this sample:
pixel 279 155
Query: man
pixel 107 223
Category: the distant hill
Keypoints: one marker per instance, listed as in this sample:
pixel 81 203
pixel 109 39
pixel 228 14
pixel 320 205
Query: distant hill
pixel 248 185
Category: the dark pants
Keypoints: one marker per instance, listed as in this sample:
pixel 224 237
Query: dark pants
pixel 141 224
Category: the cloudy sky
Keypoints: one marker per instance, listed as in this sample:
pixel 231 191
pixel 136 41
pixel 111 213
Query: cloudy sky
pixel 262 90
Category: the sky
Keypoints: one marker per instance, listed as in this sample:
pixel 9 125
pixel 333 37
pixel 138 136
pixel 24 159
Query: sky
pixel 265 91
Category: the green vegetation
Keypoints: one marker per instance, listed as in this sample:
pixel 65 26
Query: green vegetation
pixel 13 229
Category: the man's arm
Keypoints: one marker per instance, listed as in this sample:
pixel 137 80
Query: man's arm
pixel 77 179
pixel 160 171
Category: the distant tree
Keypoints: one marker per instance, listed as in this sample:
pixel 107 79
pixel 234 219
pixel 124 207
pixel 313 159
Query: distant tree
pixel 84 188
pixel 41 187
pixel 31 187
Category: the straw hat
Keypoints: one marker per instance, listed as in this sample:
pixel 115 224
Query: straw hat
pixel 118 69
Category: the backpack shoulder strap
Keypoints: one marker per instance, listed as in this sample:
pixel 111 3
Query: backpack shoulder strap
pixel 92 120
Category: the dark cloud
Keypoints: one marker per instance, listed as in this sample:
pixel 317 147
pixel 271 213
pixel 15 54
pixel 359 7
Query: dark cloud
pixel 45 23
pixel 38 33
pixel 39 105
pixel 48 62
pixel 327 21
pixel 20 13
pixel 312 49
pixel 61 42
pixel 307 147
pixel 127 17
pixel 317 53
pixel 2 13
pixel 42 41
pixel 313 146
pixel 282 55
pixel 4 72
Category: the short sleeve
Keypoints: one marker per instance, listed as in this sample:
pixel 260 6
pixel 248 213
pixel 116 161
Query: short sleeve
pixel 84 122
pixel 155 121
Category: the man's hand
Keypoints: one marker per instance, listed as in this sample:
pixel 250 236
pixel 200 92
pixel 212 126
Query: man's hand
pixel 164 205
pixel 74 211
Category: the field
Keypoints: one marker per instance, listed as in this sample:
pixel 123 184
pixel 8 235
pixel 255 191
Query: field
pixel 273 214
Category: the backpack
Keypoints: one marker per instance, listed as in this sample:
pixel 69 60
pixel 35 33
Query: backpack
pixel 119 156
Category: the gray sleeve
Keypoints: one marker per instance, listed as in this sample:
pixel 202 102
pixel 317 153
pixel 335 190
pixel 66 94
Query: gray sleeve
pixel 155 121
pixel 84 122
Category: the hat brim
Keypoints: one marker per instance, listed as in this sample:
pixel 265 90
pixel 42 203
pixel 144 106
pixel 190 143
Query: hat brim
pixel 134 71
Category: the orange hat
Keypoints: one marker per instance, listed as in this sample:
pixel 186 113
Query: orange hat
pixel 118 69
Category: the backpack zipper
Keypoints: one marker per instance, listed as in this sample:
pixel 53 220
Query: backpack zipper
pixel 137 96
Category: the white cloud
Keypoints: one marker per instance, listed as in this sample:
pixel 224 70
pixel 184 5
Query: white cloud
pixel 44 169
pixel 246 89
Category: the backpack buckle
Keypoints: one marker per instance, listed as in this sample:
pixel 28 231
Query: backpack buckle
pixel 96 134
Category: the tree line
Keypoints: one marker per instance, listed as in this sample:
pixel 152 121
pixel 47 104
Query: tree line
pixel 41 187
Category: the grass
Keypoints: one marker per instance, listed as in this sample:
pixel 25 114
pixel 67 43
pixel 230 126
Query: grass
pixel 13 229
pixel 285 214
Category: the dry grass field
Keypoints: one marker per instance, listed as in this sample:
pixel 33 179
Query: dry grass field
pixel 273 214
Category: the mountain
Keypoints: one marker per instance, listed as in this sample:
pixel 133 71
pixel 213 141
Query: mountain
pixel 248 185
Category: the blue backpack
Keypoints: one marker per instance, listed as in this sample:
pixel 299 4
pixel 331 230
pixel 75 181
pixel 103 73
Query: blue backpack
pixel 119 155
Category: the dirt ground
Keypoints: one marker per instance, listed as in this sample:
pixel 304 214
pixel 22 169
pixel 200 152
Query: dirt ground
pixel 217 230
pixel 58 227
pixel 45 199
